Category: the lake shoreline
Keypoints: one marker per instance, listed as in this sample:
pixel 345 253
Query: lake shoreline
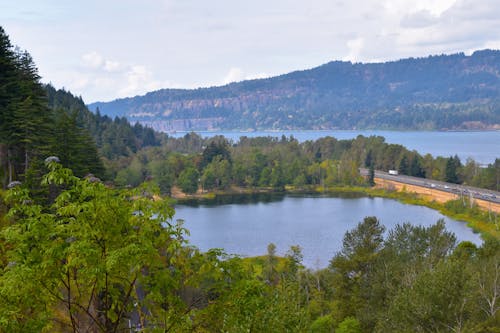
pixel 476 219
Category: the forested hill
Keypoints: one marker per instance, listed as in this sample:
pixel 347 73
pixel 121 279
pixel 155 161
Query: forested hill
pixel 114 137
pixel 37 121
pixel 438 92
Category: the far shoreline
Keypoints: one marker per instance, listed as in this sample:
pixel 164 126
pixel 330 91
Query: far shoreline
pixel 476 218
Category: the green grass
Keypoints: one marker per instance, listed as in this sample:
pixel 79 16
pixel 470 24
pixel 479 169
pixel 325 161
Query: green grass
pixel 479 220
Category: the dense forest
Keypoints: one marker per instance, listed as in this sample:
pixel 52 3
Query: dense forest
pixel 89 241
pixel 194 163
pixel 438 92
pixel 37 121
pixel 103 260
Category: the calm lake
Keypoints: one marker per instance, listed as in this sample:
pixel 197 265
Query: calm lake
pixel 483 146
pixel 245 225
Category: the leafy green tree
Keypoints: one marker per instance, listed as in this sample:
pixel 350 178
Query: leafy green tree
pixel 439 300
pixel 323 324
pixel 132 175
pixel 265 177
pixel 216 174
pixel 254 306
pixel 276 177
pixel 487 279
pixel 162 174
pixel 293 263
pixel 408 250
pixel 349 325
pixel 353 267
pixel 188 180
pixel 90 257
pixel 270 270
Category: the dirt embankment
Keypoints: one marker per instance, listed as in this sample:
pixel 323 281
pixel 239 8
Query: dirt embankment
pixel 433 194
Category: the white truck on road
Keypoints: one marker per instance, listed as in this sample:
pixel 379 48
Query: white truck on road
pixel 393 172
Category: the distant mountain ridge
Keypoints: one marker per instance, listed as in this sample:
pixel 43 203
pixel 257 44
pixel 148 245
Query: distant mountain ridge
pixel 453 92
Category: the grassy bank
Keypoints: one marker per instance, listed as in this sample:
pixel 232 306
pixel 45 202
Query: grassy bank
pixel 479 220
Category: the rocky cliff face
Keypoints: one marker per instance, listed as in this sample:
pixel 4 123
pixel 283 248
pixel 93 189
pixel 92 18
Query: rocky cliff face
pixel 440 92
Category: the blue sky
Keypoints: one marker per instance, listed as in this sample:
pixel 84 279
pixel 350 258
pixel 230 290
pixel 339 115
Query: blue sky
pixel 106 49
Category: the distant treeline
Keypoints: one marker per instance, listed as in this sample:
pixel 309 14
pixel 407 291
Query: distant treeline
pixel 37 121
pixel 192 162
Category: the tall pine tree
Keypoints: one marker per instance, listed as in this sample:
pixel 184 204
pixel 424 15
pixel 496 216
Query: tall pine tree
pixel 30 130
pixel 8 79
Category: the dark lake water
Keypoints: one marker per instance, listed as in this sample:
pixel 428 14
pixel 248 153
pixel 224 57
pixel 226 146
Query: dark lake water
pixel 246 225
pixel 483 146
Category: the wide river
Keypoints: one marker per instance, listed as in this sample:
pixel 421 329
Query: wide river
pixel 245 225
pixel 482 146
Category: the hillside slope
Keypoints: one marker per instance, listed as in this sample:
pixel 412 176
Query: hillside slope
pixel 437 92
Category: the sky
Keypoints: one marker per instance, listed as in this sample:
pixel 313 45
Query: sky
pixel 107 49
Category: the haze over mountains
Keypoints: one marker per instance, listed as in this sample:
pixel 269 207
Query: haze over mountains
pixel 446 92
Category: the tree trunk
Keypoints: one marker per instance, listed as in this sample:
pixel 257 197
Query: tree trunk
pixel 26 161
pixel 10 167
pixel 3 166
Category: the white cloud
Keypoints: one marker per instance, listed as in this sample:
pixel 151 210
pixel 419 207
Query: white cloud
pixel 80 82
pixel 96 61
pixel 235 74
pixel 465 25
pixel 436 8
pixel 92 60
pixel 139 80
pixel 111 66
pixel 101 78
pixel 420 19
pixel 137 77
pixel 402 7
pixel 355 47
pixel 191 42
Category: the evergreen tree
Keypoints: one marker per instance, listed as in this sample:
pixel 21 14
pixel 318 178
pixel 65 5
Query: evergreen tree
pixel 403 167
pixel 8 85
pixel 371 175
pixel 451 169
pixel 24 116
pixel 213 150
pixel 369 159
pixel 32 117
pixel 416 169
pixel 74 146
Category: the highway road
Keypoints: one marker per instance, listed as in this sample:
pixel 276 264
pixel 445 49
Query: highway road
pixel 474 192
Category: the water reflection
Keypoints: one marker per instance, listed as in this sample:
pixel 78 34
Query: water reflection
pixel 246 224
pixel 268 197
